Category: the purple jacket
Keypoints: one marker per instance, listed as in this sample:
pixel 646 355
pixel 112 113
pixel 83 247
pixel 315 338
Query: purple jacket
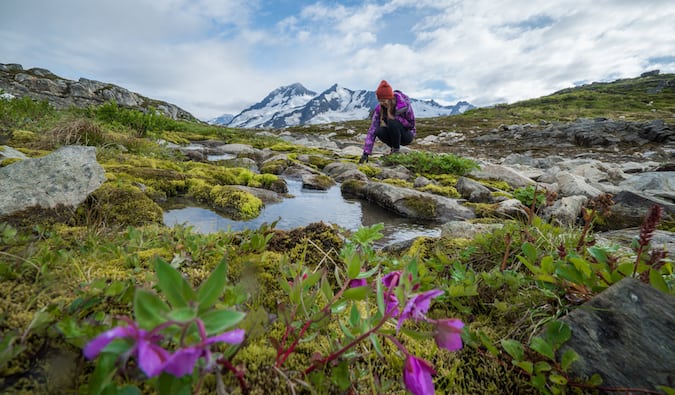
pixel 404 114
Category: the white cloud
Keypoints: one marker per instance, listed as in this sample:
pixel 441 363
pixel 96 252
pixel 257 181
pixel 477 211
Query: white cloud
pixel 216 56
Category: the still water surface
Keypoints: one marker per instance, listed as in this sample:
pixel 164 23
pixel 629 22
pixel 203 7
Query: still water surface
pixel 306 207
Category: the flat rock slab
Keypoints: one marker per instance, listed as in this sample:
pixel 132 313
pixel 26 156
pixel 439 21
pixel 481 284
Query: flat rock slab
pixel 626 334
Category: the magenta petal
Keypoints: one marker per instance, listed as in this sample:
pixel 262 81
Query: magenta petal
pixel 96 345
pixel 233 337
pixel 391 279
pixel 417 376
pixel 357 282
pixel 151 357
pixel 448 334
pixel 183 361
pixel 417 306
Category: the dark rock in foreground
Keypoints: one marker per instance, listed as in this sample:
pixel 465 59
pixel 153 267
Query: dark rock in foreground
pixel 626 334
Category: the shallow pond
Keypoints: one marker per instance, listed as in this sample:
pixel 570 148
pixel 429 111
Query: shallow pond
pixel 306 207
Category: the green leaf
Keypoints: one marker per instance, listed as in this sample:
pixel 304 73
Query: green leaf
pixel 599 253
pixel 103 373
pixel 539 382
pixel 149 309
pixel 368 273
pixel 543 347
pixel 557 379
pixel 327 291
pixel 172 284
pixel 595 380
pixel 514 349
pixel 211 289
pixel 354 316
pixel 666 390
pixel 338 307
pixel 340 376
pixel 312 279
pixel 376 344
pixel 568 358
pixel 542 366
pixel 569 273
pixel 171 385
pixel 656 280
pixel 487 342
pixel 216 321
pixel 353 266
pixel 530 252
pixel 547 264
pixel 129 390
pixel 346 330
pixel 557 333
pixel 525 365
pixel 582 265
pixel 380 296
pixel 183 315
pixel 356 293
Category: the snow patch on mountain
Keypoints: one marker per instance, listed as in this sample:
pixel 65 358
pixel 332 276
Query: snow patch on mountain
pixel 294 105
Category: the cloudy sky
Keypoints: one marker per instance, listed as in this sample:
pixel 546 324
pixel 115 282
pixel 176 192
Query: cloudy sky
pixel 220 56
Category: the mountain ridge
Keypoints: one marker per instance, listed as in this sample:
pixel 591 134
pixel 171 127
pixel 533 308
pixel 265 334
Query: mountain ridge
pixel 42 84
pixel 295 105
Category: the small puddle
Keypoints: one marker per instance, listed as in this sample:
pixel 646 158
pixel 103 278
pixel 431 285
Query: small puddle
pixel 306 207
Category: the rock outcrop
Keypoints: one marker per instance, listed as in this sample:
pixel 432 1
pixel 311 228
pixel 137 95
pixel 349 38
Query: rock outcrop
pixel 65 177
pixel 42 84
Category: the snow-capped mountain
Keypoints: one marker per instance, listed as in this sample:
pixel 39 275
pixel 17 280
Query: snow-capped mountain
pixel 295 105
pixel 221 120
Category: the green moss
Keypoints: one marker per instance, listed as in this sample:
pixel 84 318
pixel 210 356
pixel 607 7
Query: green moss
pixel 9 161
pixel 22 137
pixel 483 210
pixel 274 166
pixel 319 162
pixel 237 203
pixel 398 182
pixel 370 171
pixel 446 191
pixel 115 204
pixel 424 207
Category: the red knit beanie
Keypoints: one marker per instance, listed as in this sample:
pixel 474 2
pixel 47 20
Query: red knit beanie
pixel 384 91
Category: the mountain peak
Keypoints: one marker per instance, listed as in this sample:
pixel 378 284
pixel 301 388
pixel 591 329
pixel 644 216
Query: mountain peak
pixel 294 105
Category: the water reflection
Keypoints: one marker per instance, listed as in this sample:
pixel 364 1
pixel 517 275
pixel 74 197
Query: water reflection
pixel 306 207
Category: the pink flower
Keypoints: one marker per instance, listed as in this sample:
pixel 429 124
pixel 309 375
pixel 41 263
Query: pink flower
pixel 183 361
pixel 357 282
pixel 390 280
pixel 151 357
pixel 447 334
pixel 417 376
pixel 417 306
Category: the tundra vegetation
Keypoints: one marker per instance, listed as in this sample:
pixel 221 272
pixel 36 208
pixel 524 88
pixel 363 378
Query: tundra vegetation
pixel 104 299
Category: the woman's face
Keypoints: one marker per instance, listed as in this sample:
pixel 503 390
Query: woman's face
pixel 386 102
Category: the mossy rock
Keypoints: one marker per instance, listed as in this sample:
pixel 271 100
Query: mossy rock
pixel 274 167
pixel 9 161
pixel 397 182
pixel 447 191
pixel 23 137
pixel 234 202
pixel 312 243
pixel 122 205
pixel 420 207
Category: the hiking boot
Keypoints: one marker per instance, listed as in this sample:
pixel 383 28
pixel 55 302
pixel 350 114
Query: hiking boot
pixel 395 151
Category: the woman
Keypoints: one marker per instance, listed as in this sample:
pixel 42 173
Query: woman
pixel 393 121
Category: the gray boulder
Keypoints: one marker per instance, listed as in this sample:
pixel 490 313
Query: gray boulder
pixel 625 334
pixel 473 191
pixel 407 202
pixel 64 177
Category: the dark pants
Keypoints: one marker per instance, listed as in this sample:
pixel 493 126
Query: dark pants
pixel 394 134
